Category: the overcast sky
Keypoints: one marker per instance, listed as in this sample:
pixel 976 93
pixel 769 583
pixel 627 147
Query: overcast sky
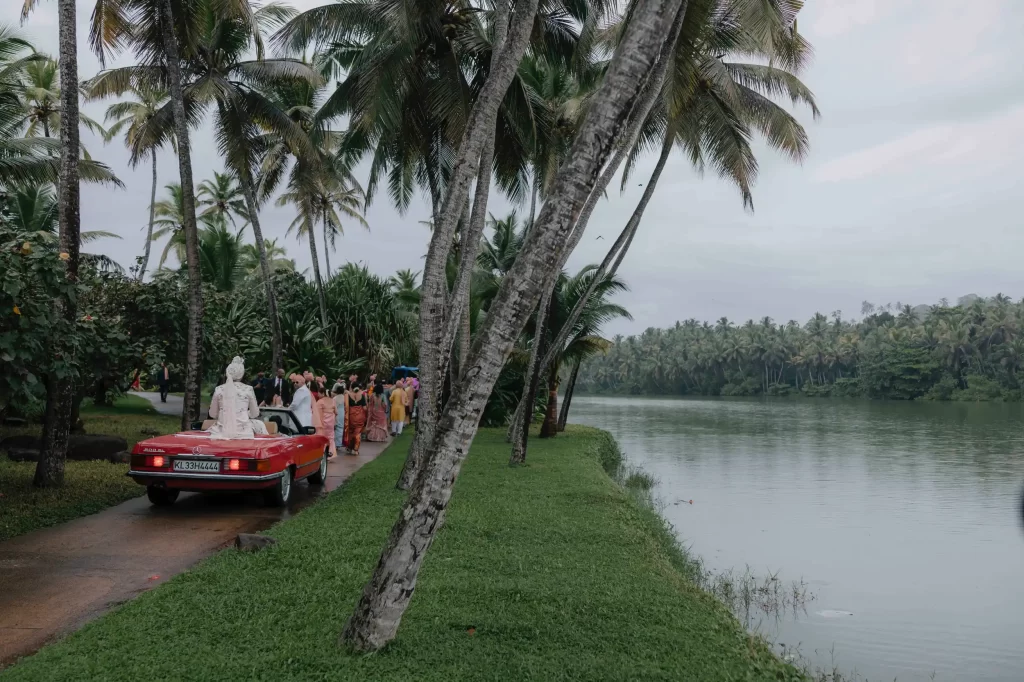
pixel 911 192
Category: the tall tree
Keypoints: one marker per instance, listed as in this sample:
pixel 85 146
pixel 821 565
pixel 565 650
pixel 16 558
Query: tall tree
pixel 386 596
pixel 61 388
pixel 131 117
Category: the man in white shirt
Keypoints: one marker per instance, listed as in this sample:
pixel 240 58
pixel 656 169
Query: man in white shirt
pixel 302 401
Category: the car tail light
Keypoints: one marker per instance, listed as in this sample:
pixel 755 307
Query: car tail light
pixel 157 461
pixel 239 464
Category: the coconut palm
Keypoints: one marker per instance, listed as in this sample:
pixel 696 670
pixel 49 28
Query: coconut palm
pixel 277 255
pixel 320 184
pixel 222 196
pixel 131 116
pixel 169 222
pixel 220 255
pixel 584 339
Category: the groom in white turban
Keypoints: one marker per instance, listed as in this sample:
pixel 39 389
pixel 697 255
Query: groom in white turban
pixel 234 407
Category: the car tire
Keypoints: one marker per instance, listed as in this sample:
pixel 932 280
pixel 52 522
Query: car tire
pixel 161 497
pixel 281 492
pixel 319 477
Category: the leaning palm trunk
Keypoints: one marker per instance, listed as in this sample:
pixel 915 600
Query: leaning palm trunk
pixel 521 429
pixel 436 335
pixel 193 361
pixel 61 391
pixel 152 218
pixel 460 308
pixel 386 596
pixel 563 416
pixel 618 249
pixel 638 117
pixel 549 429
pixel 276 339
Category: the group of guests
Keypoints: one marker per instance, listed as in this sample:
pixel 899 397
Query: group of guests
pixel 346 412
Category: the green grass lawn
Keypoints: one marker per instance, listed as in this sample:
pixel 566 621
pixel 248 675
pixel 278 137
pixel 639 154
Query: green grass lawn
pixel 89 487
pixel 544 572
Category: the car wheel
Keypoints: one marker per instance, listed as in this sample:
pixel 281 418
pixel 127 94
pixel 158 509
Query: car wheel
pixel 278 495
pixel 319 477
pixel 161 497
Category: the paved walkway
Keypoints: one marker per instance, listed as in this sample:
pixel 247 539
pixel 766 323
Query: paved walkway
pixel 174 405
pixel 53 581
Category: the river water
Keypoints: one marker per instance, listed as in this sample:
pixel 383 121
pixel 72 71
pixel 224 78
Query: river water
pixel 903 520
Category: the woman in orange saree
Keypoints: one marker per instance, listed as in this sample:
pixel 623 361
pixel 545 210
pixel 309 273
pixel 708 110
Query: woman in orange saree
pixel 377 426
pixel 357 404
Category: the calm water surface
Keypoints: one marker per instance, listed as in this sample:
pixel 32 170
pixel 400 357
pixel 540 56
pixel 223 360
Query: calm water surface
pixel 905 515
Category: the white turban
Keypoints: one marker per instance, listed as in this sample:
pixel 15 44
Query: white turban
pixel 236 370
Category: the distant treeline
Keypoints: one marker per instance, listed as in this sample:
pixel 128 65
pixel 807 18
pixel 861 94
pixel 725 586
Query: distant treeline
pixel 970 351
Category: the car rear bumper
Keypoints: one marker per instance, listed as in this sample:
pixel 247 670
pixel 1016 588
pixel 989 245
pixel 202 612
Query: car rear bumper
pixel 235 478
pixel 202 482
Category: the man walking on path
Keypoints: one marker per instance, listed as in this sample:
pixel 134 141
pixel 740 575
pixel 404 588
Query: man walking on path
pixel 164 381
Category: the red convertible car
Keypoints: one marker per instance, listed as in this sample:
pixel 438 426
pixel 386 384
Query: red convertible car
pixel 192 461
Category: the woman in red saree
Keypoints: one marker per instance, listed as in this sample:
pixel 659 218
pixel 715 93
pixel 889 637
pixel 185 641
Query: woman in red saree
pixel 356 418
pixel 377 426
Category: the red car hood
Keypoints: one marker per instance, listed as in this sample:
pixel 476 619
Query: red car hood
pixel 199 443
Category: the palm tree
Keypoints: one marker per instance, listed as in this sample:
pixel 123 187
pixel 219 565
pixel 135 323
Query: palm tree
pixel 169 221
pixel 320 199
pixel 222 197
pixel 132 116
pixel 277 255
pixel 215 74
pixel 406 289
pixel 220 255
pixel 709 107
pixel 60 392
pixel 29 160
pixel 584 340
pixel 320 183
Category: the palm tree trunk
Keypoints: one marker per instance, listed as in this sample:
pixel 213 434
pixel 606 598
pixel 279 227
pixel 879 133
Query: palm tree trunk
pixel 327 249
pixel 152 218
pixel 193 362
pixel 61 392
pixel 533 199
pixel 474 229
pixel 276 338
pixel 392 585
pixel 311 234
pixel 521 428
pixel 437 330
pixel 563 416
pixel 549 429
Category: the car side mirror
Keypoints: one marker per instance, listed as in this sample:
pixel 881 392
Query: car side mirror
pixel 309 430
pixel 196 426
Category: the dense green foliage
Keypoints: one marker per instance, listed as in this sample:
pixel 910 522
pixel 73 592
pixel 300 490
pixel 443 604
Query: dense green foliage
pixel 572 583
pixel 970 351
pixel 88 486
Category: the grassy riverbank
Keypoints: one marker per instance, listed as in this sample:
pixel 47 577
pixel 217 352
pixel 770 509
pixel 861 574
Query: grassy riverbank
pixel 89 487
pixel 545 572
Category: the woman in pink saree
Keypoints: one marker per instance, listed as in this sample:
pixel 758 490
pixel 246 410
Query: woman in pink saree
pixel 377 424
pixel 324 416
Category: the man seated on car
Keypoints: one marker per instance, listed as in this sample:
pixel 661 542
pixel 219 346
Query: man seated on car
pixel 234 407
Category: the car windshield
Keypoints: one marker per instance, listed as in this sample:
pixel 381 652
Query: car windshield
pixel 286 422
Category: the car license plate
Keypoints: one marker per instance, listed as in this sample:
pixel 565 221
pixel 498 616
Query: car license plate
pixel 197 465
